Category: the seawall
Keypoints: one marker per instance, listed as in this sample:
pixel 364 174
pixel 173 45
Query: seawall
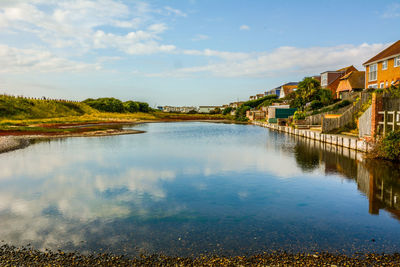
pixel 333 139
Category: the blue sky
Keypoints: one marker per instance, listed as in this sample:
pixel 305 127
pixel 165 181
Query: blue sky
pixel 194 52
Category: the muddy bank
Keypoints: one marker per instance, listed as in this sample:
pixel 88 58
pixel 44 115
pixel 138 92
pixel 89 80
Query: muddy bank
pixel 12 256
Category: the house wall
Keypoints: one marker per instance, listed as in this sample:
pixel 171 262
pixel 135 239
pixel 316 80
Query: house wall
pixel 389 75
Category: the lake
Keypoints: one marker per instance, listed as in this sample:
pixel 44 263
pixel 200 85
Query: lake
pixel 198 188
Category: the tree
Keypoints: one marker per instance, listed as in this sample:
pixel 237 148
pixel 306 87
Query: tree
pixel 131 106
pixel 306 91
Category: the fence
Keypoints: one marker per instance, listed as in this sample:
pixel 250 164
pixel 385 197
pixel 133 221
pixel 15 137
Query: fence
pixel 329 124
pixel 391 121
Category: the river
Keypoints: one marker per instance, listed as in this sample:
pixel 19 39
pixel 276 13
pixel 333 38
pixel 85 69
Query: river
pixel 197 188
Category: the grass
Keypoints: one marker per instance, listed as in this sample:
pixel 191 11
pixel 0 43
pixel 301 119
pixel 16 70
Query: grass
pixel 38 115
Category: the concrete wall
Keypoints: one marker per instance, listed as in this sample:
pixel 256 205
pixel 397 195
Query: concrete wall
pixel 364 123
pixel 351 143
pixel 317 118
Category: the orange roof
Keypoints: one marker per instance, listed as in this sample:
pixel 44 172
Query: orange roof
pixel 346 68
pixel 392 50
pixel 352 80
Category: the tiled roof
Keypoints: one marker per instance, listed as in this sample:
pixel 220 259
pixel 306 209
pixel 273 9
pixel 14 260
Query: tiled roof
pixel 392 50
pixel 354 79
pixel 292 83
pixel 345 69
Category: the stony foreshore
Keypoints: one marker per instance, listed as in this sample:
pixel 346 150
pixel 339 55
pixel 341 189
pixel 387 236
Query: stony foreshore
pixel 12 256
pixel 9 143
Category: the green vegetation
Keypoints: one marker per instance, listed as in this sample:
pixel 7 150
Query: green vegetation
pixel 309 91
pixel 240 114
pixel 227 111
pixel 389 147
pixel 257 102
pixel 110 104
pixel 24 108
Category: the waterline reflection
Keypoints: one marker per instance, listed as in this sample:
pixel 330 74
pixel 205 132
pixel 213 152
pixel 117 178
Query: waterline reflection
pixel 191 188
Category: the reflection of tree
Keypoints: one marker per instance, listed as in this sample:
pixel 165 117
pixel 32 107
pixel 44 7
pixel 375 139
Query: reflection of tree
pixel 307 157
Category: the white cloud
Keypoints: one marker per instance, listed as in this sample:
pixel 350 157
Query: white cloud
pixel 78 25
pixel 174 11
pixel 27 60
pixel 200 37
pixel 280 62
pixel 244 28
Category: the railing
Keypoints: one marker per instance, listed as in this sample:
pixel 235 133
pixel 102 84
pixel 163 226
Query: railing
pixel 391 121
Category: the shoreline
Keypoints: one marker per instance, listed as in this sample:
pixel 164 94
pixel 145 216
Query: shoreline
pixel 27 256
pixel 20 140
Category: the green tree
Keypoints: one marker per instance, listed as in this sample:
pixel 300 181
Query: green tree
pixel 307 89
pixel 131 106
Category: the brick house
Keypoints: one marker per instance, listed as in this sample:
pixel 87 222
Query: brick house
pixel 383 69
pixel 331 79
pixel 352 81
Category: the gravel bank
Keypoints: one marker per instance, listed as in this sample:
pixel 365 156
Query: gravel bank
pixel 9 143
pixel 12 256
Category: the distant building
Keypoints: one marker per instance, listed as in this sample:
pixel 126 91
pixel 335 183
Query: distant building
pixel 170 109
pixel 287 88
pixel 383 70
pixel 207 109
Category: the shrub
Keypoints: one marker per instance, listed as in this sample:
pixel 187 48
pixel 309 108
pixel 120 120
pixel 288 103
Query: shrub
pixel 131 106
pixel 240 114
pixel 389 147
pixel 316 104
pixel 107 104
pixel 227 111
pixel 299 115
pixel 144 107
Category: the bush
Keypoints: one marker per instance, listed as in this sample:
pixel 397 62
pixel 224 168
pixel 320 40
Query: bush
pixel 227 111
pixel 107 104
pixel 342 104
pixel 144 107
pixel 389 147
pixel 299 115
pixel 316 104
pixel 131 106
pixel 240 114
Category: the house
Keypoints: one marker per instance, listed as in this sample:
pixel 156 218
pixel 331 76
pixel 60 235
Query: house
pixel 255 114
pixel 279 114
pixel 331 79
pixel 275 91
pixel 352 81
pixel 258 96
pixel 317 77
pixel 287 88
pixel 383 70
pixel 207 109
pixel 253 97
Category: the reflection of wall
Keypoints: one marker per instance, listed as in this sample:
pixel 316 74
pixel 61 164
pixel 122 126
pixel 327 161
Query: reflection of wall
pixel 379 181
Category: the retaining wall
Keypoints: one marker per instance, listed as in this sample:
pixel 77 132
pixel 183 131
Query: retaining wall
pixel 331 139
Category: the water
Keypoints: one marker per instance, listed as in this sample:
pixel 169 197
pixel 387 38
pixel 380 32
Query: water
pixel 197 188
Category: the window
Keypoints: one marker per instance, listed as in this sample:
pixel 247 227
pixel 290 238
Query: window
pixel 375 86
pixel 382 85
pixel 384 65
pixel 397 61
pixel 324 79
pixel 373 72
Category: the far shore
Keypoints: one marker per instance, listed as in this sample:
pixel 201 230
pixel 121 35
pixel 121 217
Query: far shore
pixel 11 140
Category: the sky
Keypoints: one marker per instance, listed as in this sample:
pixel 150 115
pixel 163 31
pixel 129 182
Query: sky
pixel 183 52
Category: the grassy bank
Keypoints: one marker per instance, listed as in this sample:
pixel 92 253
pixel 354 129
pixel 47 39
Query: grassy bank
pixel 20 115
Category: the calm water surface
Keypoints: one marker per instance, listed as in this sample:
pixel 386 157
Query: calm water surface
pixel 197 188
